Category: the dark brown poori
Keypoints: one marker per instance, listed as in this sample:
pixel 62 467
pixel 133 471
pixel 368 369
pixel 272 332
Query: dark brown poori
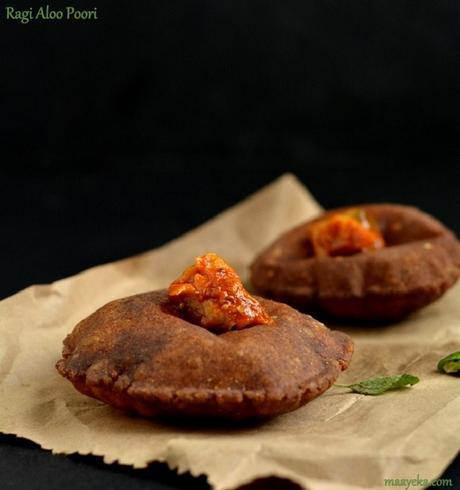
pixel 134 354
pixel 418 261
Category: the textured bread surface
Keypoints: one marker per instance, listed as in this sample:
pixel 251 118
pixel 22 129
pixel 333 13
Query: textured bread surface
pixel 420 262
pixel 135 355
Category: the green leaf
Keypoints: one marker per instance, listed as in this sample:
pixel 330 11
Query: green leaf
pixel 377 386
pixel 450 364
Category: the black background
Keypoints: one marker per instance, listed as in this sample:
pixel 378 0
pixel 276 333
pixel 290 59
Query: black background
pixel 120 134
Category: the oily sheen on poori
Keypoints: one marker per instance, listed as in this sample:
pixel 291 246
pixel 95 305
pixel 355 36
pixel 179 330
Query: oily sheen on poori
pixel 204 347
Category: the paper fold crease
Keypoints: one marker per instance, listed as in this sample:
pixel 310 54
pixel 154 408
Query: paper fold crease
pixel 340 441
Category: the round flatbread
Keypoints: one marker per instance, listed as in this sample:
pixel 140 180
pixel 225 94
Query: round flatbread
pixel 420 261
pixel 134 354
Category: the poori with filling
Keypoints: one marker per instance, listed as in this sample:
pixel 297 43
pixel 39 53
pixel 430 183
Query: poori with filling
pixel 204 347
pixel 369 262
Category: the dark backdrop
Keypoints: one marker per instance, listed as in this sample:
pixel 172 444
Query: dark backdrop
pixel 118 135
pixel 295 81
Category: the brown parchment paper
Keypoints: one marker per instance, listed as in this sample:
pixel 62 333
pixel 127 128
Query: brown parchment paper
pixel 338 441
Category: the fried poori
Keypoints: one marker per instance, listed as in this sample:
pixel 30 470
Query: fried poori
pixel 142 354
pixel 353 277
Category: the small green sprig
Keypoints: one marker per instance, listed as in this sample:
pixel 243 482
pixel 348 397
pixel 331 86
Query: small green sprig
pixel 450 364
pixel 377 386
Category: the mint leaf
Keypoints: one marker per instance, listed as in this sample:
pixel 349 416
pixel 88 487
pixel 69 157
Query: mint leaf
pixel 450 364
pixel 377 386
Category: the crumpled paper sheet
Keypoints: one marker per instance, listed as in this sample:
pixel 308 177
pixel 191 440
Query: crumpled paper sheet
pixel 339 441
